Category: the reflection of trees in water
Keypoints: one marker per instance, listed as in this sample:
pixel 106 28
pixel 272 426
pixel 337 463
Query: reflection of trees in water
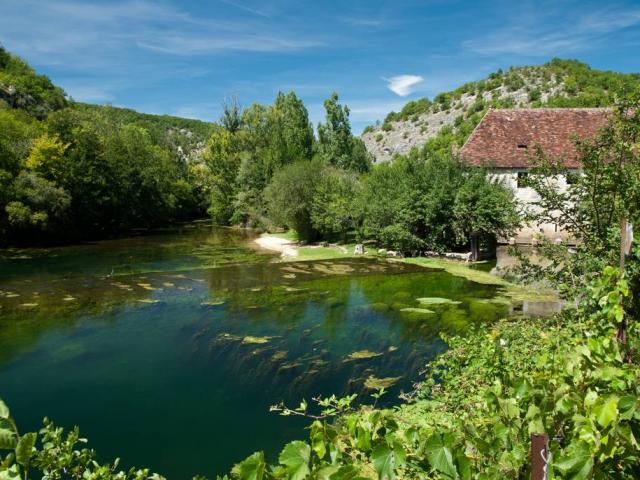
pixel 315 314
pixel 309 329
pixel 53 307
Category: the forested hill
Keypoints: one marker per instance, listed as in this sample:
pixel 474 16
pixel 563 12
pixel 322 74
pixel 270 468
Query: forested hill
pixel 451 116
pixel 23 89
pixel 70 170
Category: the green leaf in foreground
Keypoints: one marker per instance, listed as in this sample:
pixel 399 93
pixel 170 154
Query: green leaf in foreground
pixel 438 452
pixel 295 456
pixel 4 410
pixel 384 462
pixel 7 438
pixel 24 450
pixel 608 412
pixel 251 468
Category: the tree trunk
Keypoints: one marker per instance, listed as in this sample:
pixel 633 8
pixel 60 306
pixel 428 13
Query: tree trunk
pixel 475 247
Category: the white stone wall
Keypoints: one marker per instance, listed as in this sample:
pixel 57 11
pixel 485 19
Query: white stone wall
pixel 526 197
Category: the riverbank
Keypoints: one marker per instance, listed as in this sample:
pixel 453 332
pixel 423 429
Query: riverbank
pixel 291 250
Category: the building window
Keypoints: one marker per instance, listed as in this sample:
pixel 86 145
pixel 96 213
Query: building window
pixel 572 177
pixel 522 177
pixel 522 146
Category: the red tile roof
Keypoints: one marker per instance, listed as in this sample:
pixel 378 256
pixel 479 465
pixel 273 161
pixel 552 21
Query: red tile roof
pixel 507 138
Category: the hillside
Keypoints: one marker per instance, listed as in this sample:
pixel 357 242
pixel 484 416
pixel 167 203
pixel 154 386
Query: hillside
pixel 185 136
pixel 450 117
pixel 72 171
pixel 21 88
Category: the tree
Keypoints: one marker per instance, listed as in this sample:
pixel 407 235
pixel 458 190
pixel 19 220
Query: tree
pixel 434 202
pixel 47 157
pixel 332 208
pixel 336 145
pixel 223 161
pixel 231 114
pixel 291 133
pixel 290 195
pixel 269 138
pixel 37 205
pixel 415 194
pixel 484 210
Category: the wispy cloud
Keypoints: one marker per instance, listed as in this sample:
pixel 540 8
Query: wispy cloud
pixel 542 35
pixel 362 22
pixel 89 94
pixel 244 8
pixel 197 44
pixel 56 31
pixel 403 85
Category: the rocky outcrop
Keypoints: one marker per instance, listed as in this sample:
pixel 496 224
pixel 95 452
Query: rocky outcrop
pixel 385 140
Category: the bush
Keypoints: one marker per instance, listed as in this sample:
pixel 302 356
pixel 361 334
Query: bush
pixel 397 237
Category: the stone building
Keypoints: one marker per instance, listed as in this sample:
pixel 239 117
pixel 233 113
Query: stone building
pixel 506 139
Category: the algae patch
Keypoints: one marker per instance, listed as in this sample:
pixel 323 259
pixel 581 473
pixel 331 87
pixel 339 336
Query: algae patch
pixel 362 355
pixel 374 383
pixel 251 340
pixel 437 301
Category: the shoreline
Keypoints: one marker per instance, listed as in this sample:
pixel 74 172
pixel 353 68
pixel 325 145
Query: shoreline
pixel 286 248
pixel 291 251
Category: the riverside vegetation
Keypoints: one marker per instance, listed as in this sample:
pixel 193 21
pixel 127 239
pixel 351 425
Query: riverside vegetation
pixel 573 376
pixel 68 171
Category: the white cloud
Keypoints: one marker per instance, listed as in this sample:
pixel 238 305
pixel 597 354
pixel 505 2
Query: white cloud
pixel 254 11
pixel 89 94
pixel 541 35
pixel 403 85
pixel 361 22
pixel 90 35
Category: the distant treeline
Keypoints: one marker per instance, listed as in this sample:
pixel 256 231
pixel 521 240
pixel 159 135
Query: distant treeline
pixel 71 171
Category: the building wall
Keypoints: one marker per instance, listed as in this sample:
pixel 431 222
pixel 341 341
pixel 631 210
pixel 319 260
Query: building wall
pixel 526 197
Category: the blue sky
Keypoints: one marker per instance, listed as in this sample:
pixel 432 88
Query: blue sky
pixel 183 57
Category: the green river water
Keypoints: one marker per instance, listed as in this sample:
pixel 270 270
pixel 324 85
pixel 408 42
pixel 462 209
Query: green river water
pixel 167 350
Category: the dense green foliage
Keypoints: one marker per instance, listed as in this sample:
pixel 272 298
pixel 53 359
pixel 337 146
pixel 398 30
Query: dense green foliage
pixel 264 161
pixel 87 171
pixel 70 170
pixel 415 203
pixel 434 202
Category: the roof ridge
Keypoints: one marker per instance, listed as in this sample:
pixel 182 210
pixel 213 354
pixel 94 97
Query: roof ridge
pixel 498 136
pixel 475 128
pixel 553 109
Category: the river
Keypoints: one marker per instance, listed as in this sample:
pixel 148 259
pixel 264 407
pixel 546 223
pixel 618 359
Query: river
pixel 167 350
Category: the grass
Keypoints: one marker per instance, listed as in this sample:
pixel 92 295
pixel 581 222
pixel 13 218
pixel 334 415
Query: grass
pixel 290 235
pixel 325 253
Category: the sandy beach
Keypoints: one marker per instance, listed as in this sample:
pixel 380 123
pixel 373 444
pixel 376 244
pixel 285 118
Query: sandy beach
pixel 287 248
